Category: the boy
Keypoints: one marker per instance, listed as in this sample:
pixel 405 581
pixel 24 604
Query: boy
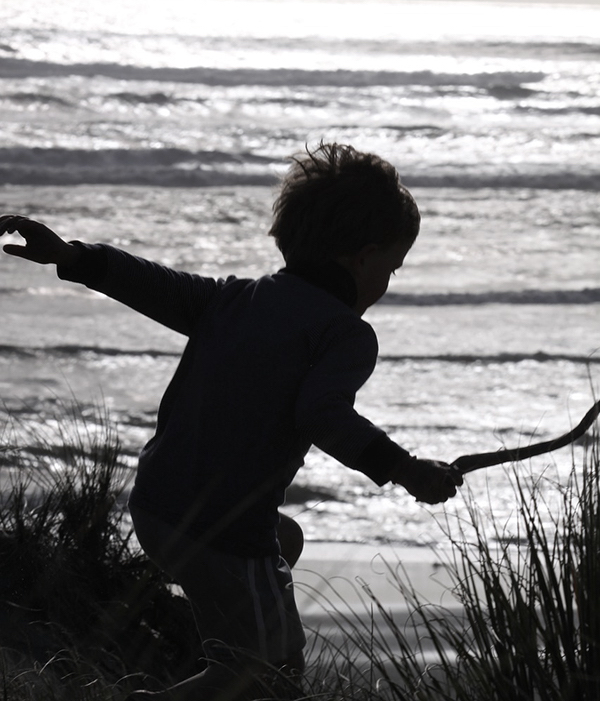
pixel 271 367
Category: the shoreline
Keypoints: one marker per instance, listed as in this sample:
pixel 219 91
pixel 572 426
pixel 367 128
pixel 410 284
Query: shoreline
pixel 344 574
pixel 351 602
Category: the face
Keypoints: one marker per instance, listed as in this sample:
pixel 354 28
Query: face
pixel 372 268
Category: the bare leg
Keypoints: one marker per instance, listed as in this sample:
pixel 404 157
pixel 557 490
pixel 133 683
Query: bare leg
pixel 291 539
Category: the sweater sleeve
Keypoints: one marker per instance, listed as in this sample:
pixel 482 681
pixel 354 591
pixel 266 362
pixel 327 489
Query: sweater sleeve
pixel 381 458
pixel 325 412
pixel 170 297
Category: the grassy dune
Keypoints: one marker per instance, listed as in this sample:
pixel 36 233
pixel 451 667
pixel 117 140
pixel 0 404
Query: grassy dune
pixel 84 615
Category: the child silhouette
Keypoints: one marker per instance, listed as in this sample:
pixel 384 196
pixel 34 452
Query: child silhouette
pixel 271 367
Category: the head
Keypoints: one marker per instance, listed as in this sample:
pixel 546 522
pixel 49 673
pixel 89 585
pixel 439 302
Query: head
pixel 338 204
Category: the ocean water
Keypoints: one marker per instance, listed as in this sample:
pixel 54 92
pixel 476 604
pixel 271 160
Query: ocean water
pixel 163 128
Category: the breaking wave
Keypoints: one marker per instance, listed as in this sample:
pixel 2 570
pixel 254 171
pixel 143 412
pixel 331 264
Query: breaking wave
pixel 588 295
pixel 495 359
pixel 22 68
pixel 92 352
pixel 175 167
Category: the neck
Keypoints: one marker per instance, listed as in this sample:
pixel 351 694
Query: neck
pixel 331 277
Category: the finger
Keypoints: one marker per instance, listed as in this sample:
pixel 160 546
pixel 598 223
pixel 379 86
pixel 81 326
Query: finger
pixel 433 500
pixel 5 222
pixel 11 223
pixel 19 251
pixel 438 498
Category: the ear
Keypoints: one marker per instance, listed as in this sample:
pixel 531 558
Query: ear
pixel 355 262
pixel 364 255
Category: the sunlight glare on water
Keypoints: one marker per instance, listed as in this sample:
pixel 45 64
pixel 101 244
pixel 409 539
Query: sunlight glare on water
pixel 330 18
pixel 488 109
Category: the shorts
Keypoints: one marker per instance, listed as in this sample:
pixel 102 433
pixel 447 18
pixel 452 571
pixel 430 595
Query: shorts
pixel 239 604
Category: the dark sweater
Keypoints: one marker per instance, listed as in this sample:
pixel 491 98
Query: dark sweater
pixel 271 367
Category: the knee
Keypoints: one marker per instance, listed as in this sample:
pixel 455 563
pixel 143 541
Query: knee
pixel 295 664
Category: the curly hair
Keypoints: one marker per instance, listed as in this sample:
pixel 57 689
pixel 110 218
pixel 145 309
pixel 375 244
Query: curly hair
pixel 336 200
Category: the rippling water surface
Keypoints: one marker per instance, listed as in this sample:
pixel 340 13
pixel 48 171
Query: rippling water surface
pixel 163 129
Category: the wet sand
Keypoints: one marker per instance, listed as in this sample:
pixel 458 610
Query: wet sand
pixel 347 591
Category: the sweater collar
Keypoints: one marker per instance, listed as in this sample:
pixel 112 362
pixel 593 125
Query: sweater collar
pixel 331 277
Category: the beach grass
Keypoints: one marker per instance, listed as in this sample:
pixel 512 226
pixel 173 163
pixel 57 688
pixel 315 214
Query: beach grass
pixel 84 615
pixel 78 600
pixel 522 615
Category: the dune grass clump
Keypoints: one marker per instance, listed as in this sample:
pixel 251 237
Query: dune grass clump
pixel 522 617
pixel 85 617
pixel 77 599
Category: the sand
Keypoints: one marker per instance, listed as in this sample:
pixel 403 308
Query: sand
pixel 347 566
pixel 334 583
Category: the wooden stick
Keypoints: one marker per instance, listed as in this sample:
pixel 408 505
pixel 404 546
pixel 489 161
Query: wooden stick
pixel 468 463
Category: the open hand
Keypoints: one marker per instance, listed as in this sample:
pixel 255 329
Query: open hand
pixel 429 481
pixel 42 245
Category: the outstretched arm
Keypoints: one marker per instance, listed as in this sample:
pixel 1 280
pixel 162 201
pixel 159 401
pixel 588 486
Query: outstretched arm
pixel 173 298
pixel 42 245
